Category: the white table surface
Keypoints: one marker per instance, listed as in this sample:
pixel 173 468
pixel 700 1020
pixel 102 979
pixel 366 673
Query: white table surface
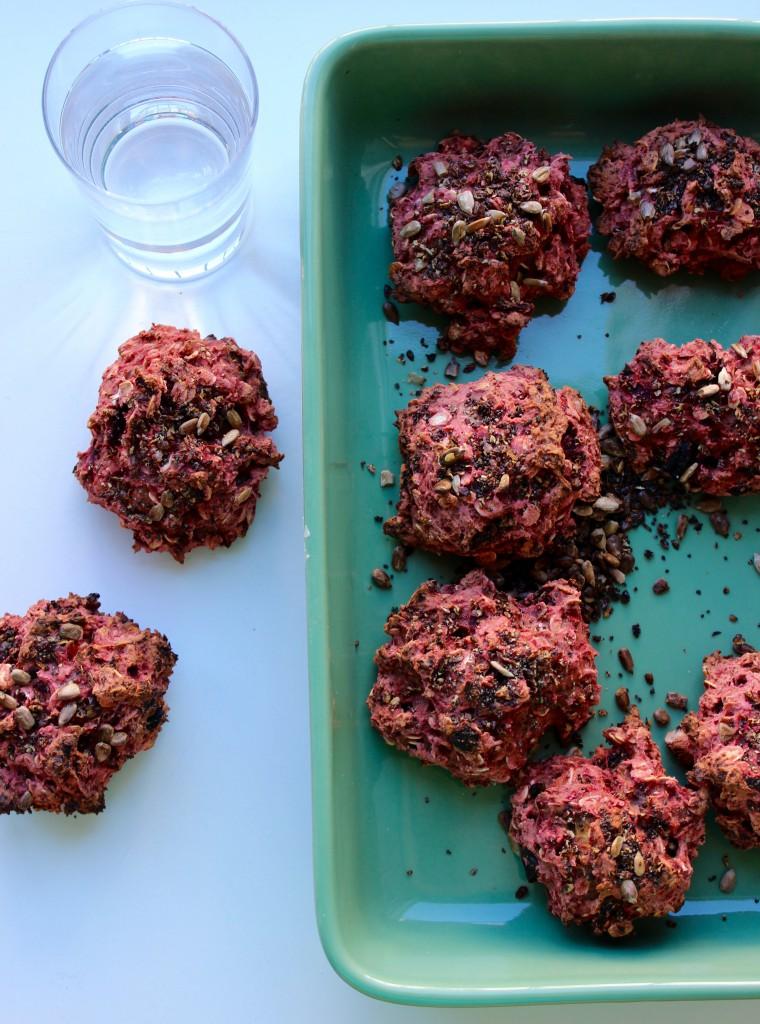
pixel 190 898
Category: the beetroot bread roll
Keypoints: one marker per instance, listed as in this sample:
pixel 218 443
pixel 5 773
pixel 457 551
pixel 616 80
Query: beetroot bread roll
pixel 685 196
pixel 81 692
pixel 494 466
pixel 720 744
pixel 180 441
pixel 484 231
pixel 693 412
pixel 611 837
pixel 471 678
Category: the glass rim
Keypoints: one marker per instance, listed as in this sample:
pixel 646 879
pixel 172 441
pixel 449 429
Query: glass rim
pixel 103 13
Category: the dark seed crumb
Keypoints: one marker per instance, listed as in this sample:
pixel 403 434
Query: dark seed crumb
pixel 409 872
pixel 522 892
pixel 626 659
pixel 660 586
pixel 649 678
pixel 719 522
pixel 356 643
pixel 636 630
pixel 649 554
pixel 381 579
pixel 670 923
pixel 676 700
pixel 607 297
pixel 473 871
pixel 712 878
pixel 661 716
pixel 733 618
pixel 448 853
pixel 427 799
pixel 390 312
pixel 397 162
pixel 623 698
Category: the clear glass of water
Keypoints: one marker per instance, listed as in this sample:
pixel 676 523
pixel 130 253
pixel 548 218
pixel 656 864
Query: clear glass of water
pixel 152 108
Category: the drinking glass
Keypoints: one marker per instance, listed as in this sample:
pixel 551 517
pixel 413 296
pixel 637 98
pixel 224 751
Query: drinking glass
pixel 152 108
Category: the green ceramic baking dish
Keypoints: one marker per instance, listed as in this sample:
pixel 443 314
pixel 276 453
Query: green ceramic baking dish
pixel 415 883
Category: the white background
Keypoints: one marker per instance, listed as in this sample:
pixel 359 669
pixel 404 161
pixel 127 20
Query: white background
pixel 190 899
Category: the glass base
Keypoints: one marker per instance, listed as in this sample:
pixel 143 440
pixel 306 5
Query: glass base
pixel 183 262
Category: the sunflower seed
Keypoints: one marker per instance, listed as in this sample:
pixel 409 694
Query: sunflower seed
pixel 156 513
pixel 66 713
pixel 628 891
pixel 501 669
pixel 667 154
pixel 24 717
pixel 532 206
pixel 458 231
pixel 71 631
pixel 118 739
pixel 243 495
pixel 386 478
pixel 518 234
pixel 514 290
pixel 466 201
pixel 689 164
pixel 724 379
pixel 701 153
pixel 203 421
pixel 728 881
pixel 410 229
pixel 497 216
pixel 541 174
pixel 455 481
pixel 739 349
pixel 695 137
pixel 689 472
pixel 756 368
pixel 661 424
pixel 503 483
pixel 429 198
pixel 726 732
pixel 69 691
pixel 20 677
pixel 234 418
pixel 440 167
pixel 639 864
pixel 607 503
pixel 479 224
pixel 25 801
pixel 626 659
pixel 102 752
pixel 623 698
pixel 535 282
pixel 708 390
pixel 637 425
pixel 646 209
pixel 230 438
pixel 188 427
pixel 583 511
pixel 442 487
pixel 8 702
pixel 451 456
pixel 381 579
pixel 167 499
pixel 105 733
pixel 617 846
pixel 756 561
